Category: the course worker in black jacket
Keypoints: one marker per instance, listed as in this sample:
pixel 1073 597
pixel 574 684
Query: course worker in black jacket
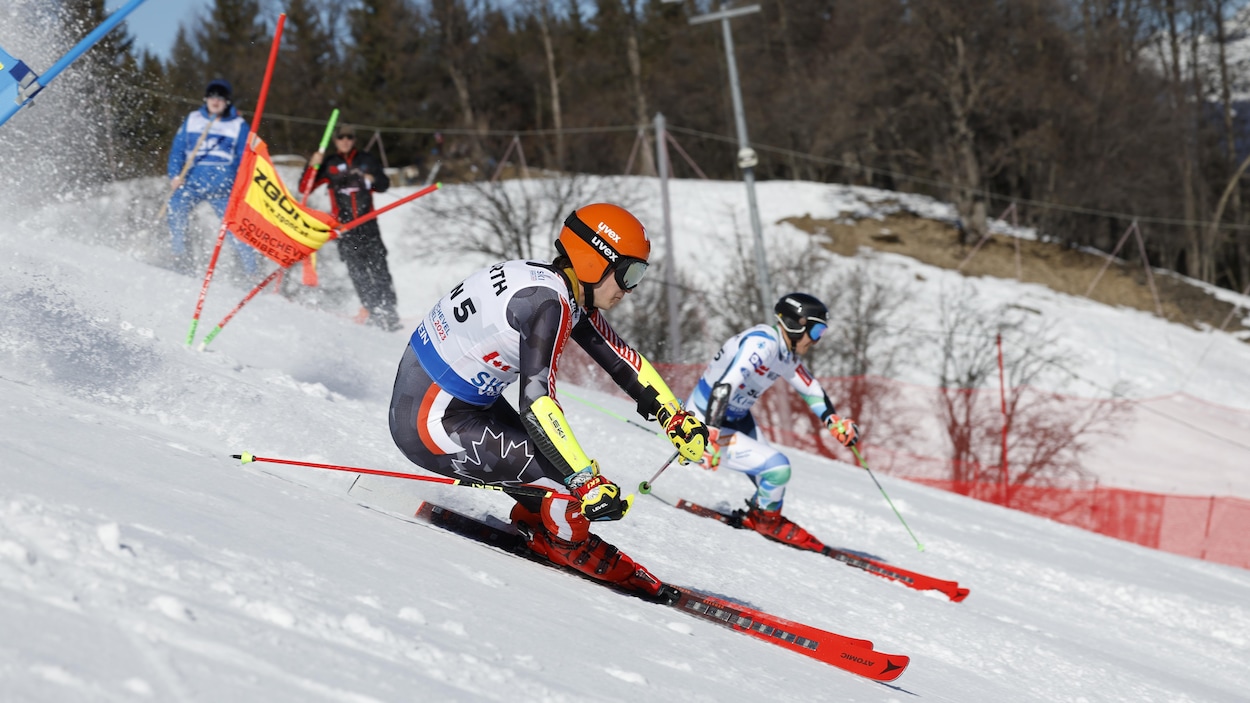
pixel 352 178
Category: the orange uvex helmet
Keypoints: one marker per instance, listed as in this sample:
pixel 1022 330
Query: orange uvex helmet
pixel 602 237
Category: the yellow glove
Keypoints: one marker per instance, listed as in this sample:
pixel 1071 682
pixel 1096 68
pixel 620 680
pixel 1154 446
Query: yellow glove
pixel 685 431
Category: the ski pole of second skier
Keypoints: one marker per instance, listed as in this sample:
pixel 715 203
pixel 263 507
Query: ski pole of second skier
pixel 530 491
pixel 645 486
pixel 864 464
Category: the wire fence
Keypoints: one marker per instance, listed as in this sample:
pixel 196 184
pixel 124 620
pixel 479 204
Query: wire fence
pixel 540 141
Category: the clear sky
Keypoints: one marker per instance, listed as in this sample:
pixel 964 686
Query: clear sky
pixel 155 23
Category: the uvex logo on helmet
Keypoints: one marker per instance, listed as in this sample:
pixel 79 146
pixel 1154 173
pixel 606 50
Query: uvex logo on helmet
pixel 606 249
pixel 605 229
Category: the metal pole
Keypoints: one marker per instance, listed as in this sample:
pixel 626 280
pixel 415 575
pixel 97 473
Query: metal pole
pixel 26 93
pixel 747 158
pixel 670 263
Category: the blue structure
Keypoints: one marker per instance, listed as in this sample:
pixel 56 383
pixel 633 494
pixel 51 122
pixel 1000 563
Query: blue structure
pixel 19 85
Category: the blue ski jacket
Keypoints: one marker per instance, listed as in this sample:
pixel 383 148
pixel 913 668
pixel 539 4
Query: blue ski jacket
pixel 215 162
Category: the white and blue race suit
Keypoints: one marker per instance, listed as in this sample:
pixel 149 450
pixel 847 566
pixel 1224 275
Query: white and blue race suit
pixel 748 364
pixel 211 175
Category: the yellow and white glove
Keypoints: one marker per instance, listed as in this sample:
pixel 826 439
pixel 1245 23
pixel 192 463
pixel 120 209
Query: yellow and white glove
pixel 685 431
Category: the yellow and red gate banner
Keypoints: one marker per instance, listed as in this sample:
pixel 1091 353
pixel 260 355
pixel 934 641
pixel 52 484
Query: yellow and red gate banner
pixel 263 213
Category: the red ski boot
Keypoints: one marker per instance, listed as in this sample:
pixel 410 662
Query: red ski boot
pixel 591 556
pixel 772 524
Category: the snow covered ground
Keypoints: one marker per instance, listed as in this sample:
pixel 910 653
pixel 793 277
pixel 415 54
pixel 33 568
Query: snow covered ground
pixel 138 561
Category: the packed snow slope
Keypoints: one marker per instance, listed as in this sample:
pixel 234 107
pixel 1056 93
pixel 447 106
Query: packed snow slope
pixel 138 561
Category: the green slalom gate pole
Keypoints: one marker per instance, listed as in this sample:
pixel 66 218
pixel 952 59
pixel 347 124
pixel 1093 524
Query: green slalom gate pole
pixel 863 464
pixel 325 138
pixel 325 141
pixel 609 413
pixel 526 491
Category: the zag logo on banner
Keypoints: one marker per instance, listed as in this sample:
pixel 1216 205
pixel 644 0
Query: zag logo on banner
pixel 264 214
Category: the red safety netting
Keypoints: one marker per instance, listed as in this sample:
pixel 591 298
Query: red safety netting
pixel 904 434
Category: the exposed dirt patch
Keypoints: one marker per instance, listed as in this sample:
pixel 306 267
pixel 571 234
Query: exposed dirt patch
pixel 1065 270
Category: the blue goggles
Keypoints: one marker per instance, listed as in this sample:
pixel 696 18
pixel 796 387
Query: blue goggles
pixel 816 331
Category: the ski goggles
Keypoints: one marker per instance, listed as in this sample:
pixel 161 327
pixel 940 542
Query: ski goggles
pixel 629 273
pixel 814 328
pixel 627 270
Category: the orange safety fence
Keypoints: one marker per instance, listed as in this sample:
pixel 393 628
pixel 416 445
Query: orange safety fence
pixel 903 434
pixel 1205 527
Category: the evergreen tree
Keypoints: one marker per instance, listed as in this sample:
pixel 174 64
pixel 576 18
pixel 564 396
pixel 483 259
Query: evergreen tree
pixel 234 43
pixel 104 74
pixel 185 70
pixel 384 85
pixel 305 83
pixel 148 119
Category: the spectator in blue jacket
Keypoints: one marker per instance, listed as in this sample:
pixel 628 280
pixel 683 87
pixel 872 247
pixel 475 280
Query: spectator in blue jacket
pixel 204 157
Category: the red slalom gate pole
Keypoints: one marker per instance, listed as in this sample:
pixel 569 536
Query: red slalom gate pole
pixel 221 234
pixel 370 215
pixel 1004 477
pixel 264 86
pixel 259 287
pixel 527 491
pixel 208 278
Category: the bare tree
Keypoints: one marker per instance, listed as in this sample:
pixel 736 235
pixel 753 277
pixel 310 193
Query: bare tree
pixel 802 268
pixel 514 219
pixel 543 12
pixel 862 350
pixel 1046 433
pixel 642 317
pixel 458 31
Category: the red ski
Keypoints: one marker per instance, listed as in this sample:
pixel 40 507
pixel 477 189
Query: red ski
pixel 920 582
pixel 850 654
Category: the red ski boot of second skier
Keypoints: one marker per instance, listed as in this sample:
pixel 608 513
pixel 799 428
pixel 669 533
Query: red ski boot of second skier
pixel 774 525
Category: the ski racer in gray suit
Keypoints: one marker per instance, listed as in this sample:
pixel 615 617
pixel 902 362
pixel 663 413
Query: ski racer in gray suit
pixel 508 324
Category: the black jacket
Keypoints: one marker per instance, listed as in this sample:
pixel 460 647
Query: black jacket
pixel 351 193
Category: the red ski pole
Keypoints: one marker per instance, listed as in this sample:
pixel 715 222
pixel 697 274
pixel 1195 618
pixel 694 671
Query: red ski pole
pixel 645 486
pixel 529 491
